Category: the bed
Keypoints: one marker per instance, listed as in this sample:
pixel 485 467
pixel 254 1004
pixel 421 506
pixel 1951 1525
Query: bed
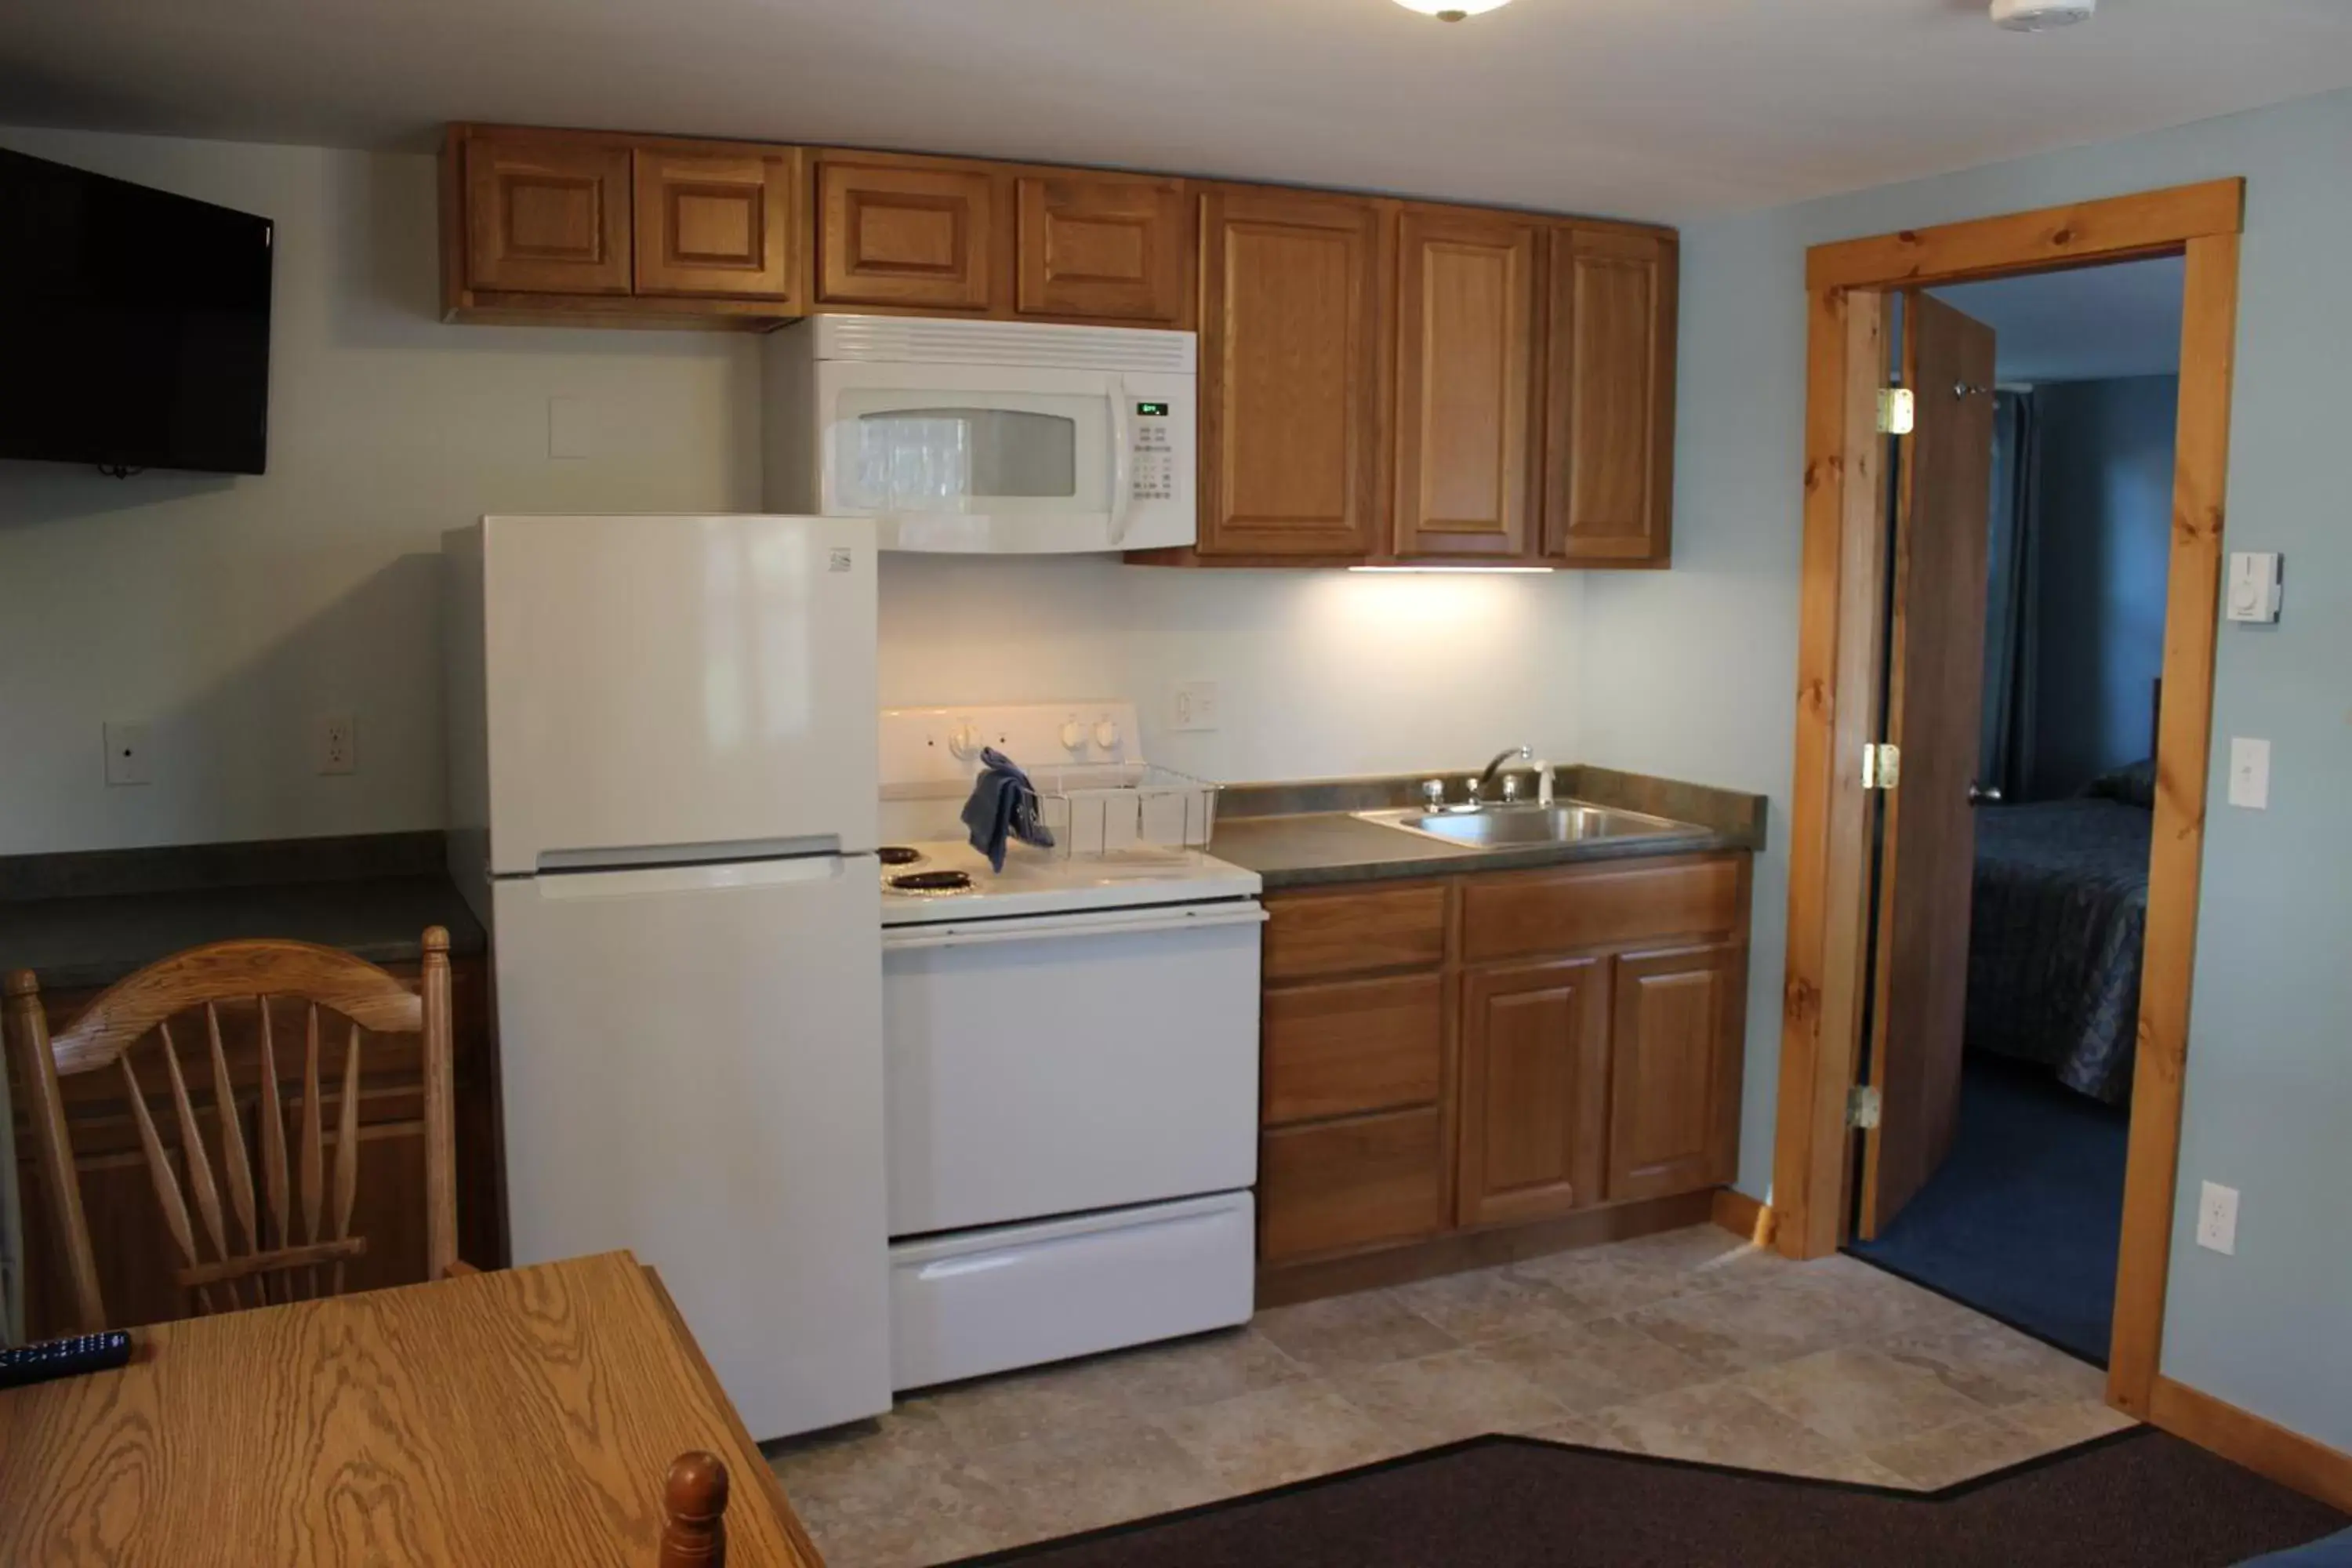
pixel 2059 917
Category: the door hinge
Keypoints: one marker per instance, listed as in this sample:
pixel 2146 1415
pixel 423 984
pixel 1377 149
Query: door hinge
pixel 1896 410
pixel 1882 765
pixel 1862 1106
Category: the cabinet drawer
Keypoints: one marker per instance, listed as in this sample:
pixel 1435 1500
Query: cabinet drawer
pixel 1352 1183
pixel 1516 914
pixel 1309 935
pixel 1359 1045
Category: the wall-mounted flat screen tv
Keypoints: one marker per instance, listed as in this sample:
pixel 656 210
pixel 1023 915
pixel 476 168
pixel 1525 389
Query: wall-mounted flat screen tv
pixel 134 325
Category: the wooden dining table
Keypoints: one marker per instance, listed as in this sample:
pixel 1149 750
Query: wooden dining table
pixel 525 1416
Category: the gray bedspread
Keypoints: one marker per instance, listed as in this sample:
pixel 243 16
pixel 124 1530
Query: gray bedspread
pixel 2060 914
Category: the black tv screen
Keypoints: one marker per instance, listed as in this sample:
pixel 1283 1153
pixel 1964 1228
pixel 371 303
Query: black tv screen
pixel 134 325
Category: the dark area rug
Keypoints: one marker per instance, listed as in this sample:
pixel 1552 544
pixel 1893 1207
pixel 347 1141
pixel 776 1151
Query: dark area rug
pixel 2139 1498
pixel 2023 1220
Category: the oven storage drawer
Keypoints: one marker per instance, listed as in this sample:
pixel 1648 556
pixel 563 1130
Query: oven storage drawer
pixel 1021 1295
pixel 1064 1064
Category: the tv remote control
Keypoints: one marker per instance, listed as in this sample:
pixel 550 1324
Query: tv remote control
pixel 63 1358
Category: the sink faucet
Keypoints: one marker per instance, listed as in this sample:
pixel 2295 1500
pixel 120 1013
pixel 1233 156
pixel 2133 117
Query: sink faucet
pixel 1477 786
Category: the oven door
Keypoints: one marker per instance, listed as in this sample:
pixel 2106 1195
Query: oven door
pixel 1055 1065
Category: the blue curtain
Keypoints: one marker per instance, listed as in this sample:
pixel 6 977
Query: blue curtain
pixel 2011 668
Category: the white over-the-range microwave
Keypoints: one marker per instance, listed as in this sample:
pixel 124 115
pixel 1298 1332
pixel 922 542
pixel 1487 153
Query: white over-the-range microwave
pixel 1010 437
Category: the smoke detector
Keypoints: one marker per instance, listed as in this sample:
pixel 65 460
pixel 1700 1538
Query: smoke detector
pixel 2041 15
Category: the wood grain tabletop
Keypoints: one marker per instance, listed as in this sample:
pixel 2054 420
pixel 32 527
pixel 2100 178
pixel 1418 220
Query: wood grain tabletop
pixel 524 1416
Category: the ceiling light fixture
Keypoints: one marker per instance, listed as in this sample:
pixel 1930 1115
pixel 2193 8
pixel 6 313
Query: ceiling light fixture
pixel 2041 15
pixel 1451 10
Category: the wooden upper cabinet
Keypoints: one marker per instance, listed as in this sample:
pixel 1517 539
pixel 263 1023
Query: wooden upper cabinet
pixel 1674 1123
pixel 1610 417
pixel 1535 1091
pixel 1292 374
pixel 1111 248
pixel 1468 307
pixel 905 234
pixel 546 213
pixel 719 221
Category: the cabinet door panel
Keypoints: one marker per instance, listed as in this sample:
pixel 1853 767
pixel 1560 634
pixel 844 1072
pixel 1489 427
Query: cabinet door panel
pixel 1468 315
pixel 1114 248
pixel 722 224
pixel 1357 1045
pixel 1611 405
pixel 1291 374
pixel 1674 1071
pixel 1342 1184
pixel 901 234
pixel 547 215
pixel 1534 1063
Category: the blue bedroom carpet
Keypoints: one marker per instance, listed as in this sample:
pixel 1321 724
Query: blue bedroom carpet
pixel 2023 1220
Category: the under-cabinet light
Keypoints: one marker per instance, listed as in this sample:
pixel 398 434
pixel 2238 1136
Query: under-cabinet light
pixel 1463 571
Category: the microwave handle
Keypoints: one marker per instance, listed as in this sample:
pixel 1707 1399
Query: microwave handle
pixel 1122 460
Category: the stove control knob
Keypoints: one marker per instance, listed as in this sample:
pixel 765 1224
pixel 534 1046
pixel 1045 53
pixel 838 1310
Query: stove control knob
pixel 1106 735
pixel 1074 736
pixel 964 738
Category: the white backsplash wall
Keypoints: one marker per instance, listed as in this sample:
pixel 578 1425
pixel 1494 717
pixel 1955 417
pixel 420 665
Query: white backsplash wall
pixel 230 612
pixel 1319 673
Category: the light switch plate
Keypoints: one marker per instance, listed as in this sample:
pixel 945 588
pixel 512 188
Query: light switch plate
pixel 1195 706
pixel 2250 774
pixel 126 753
pixel 2217 1219
pixel 2253 587
pixel 567 427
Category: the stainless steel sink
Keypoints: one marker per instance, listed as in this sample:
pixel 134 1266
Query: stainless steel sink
pixel 1517 826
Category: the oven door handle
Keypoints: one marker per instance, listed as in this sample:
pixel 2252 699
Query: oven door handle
pixel 1049 928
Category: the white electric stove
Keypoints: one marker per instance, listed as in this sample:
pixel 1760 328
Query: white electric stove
pixel 1071 1063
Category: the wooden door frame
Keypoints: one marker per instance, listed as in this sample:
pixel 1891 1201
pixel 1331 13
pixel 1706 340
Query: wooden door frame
pixel 1841 635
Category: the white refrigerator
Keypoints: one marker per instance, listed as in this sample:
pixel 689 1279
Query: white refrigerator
pixel 662 780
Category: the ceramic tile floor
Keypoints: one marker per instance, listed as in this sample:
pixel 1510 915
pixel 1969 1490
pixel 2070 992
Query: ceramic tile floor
pixel 1688 1345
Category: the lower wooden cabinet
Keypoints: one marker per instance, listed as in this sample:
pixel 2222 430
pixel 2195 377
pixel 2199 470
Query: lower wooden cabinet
pixel 135 1253
pixel 1534 1090
pixel 1481 1052
pixel 1675 1096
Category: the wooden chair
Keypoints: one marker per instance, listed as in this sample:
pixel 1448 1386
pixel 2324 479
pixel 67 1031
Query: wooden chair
pixel 264 1259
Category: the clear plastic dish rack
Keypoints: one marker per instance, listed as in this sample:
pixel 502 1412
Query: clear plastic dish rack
pixel 1101 808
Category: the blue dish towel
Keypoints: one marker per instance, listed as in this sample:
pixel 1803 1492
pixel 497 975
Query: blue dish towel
pixel 1003 804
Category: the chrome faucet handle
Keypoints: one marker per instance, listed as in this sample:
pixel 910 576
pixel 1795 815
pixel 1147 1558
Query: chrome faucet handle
pixel 1510 788
pixel 1432 793
pixel 1470 788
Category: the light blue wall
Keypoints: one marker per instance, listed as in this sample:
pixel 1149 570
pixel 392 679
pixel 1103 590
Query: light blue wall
pixel 2106 526
pixel 1689 673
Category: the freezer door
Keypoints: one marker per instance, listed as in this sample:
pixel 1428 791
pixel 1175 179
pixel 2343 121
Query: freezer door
pixel 691 1068
pixel 664 687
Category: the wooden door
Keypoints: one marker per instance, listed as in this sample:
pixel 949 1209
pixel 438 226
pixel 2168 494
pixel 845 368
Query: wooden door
pixel 1292 374
pixel 1673 1116
pixel 546 213
pixel 905 234
pixel 1609 439
pixel 720 222
pixel 1112 248
pixel 1535 1091
pixel 1468 311
pixel 1935 676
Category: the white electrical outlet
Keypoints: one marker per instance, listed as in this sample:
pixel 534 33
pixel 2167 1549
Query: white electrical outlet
pixel 2250 774
pixel 338 743
pixel 127 758
pixel 2217 1218
pixel 1195 706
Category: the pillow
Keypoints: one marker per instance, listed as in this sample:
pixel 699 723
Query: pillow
pixel 2134 786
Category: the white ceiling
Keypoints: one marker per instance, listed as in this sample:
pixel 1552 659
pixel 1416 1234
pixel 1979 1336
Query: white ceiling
pixel 2084 325
pixel 1665 108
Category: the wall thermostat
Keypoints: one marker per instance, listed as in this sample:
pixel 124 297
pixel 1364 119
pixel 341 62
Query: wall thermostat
pixel 2252 593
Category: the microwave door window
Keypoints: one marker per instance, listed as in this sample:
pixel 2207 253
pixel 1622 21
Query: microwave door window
pixel 959 459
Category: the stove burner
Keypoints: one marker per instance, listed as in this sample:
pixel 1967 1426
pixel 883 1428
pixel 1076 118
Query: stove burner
pixel 898 854
pixel 931 882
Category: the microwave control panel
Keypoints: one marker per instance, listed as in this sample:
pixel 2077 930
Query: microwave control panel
pixel 1153 454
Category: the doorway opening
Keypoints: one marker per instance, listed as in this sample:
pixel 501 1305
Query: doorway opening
pixel 2009 1193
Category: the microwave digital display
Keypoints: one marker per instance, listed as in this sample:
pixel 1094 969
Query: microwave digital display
pixel 1152 411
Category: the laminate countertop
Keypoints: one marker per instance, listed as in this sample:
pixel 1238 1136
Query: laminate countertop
pixel 1297 836
pixel 78 921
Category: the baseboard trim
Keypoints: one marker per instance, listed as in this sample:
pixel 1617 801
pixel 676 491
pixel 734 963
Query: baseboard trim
pixel 2263 1446
pixel 1282 1284
pixel 1745 1217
